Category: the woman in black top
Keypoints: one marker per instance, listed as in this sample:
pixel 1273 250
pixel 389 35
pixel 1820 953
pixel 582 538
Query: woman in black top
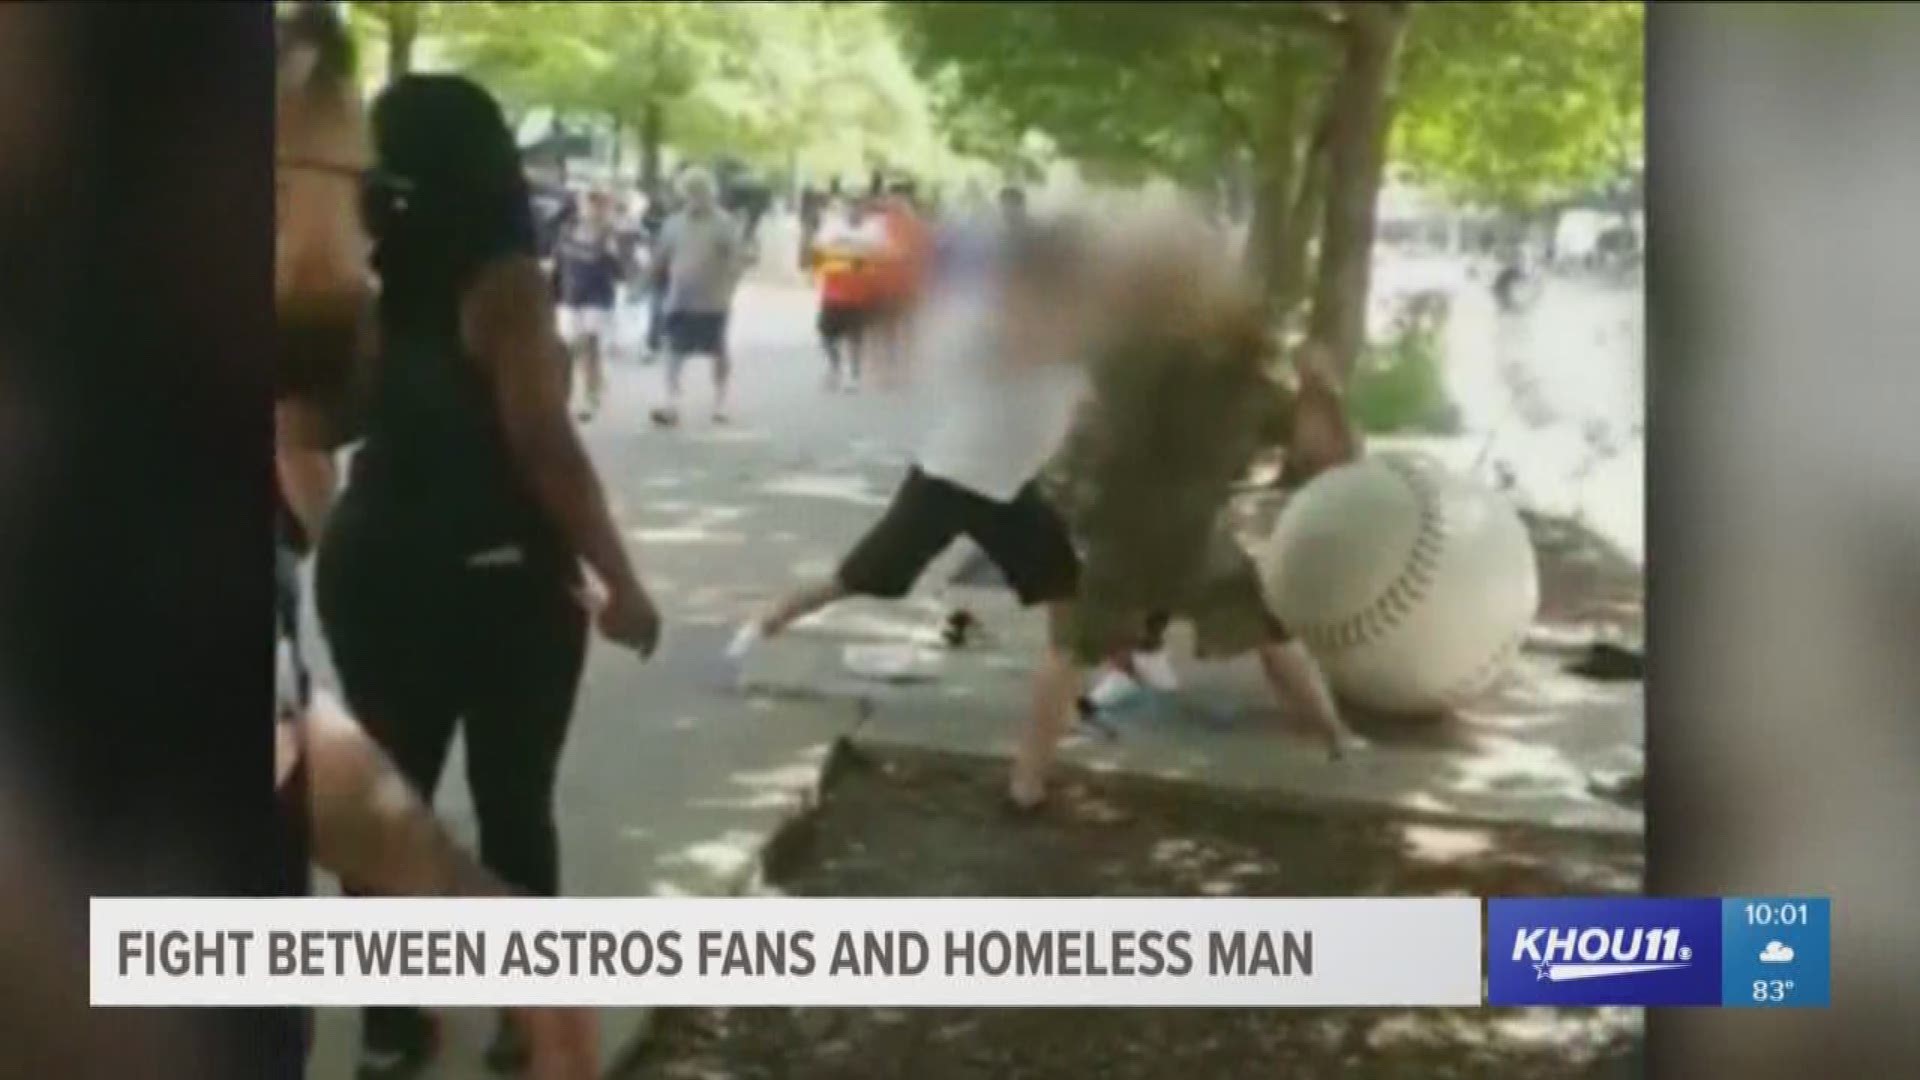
pixel 448 580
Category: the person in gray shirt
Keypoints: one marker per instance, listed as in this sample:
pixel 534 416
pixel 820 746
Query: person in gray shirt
pixel 704 254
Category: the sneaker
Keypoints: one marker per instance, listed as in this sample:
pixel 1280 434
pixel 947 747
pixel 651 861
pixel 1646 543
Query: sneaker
pixel 745 640
pixel 1155 669
pixel 665 418
pixel 1112 689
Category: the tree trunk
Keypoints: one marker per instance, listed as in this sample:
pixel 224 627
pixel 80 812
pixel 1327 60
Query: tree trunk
pixel 1356 162
pixel 616 129
pixel 1290 274
pixel 1275 167
pixel 403 30
pixel 652 132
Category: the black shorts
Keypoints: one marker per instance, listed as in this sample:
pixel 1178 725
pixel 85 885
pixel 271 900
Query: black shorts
pixel 843 320
pixel 1025 538
pixel 697 333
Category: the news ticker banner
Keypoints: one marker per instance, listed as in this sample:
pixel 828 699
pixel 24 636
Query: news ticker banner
pixel 953 952
pixel 787 952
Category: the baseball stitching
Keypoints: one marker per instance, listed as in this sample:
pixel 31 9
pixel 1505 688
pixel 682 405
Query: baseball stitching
pixel 1414 582
pixel 1482 677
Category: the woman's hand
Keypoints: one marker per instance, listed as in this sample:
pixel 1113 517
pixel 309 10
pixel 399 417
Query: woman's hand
pixel 625 616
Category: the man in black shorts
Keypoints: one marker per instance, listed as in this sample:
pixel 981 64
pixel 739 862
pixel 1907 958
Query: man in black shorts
pixel 1006 354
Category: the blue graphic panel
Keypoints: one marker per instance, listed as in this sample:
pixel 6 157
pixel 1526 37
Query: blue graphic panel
pixel 1627 950
pixel 1777 952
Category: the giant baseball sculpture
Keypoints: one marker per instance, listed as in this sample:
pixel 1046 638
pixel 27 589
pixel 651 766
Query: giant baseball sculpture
pixel 1413 587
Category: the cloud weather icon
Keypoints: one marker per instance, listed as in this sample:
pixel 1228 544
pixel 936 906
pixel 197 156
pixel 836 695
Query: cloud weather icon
pixel 1776 953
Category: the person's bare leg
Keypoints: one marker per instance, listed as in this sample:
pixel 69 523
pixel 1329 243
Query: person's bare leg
pixel 670 412
pixel 1056 694
pixel 799 604
pixel 786 611
pixel 590 358
pixel 722 375
pixel 571 376
pixel 1297 681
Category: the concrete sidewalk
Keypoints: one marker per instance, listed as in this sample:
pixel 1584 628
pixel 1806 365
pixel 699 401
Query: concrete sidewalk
pixel 1529 753
pixel 673 782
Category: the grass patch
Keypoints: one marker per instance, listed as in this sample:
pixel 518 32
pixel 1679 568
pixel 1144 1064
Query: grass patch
pixel 1399 384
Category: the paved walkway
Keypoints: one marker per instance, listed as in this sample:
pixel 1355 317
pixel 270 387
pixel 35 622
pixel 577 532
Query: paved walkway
pixel 671 784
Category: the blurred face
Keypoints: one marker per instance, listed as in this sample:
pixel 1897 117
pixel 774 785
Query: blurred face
pixel 699 193
pixel 1052 315
pixel 599 208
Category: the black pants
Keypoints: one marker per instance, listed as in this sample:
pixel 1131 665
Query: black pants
pixel 494 652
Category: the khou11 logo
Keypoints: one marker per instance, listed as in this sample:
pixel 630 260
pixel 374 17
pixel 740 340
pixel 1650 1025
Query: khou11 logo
pixel 1623 951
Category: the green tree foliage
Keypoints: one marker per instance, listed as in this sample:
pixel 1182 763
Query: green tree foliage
pixel 1125 88
pixel 821 87
pixel 1518 105
pixel 1498 102
pixel 1510 104
pixel 818 86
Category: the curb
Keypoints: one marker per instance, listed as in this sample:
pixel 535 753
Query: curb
pixel 749 881
pixel 1286 800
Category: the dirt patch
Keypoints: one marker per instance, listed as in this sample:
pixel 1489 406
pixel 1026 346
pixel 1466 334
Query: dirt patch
pixel 1586 582
pixel 922 824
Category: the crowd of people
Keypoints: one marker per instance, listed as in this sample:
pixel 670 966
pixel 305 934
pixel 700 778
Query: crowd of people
pixel 461 565
pixel 677 251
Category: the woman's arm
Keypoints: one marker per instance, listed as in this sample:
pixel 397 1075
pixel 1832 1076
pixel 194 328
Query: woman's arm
pixel 507 319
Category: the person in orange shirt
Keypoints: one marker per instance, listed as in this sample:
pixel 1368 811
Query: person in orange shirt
pixel 909 246
pixel 846 253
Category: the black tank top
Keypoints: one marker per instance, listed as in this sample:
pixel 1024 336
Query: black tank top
pixel 434 476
